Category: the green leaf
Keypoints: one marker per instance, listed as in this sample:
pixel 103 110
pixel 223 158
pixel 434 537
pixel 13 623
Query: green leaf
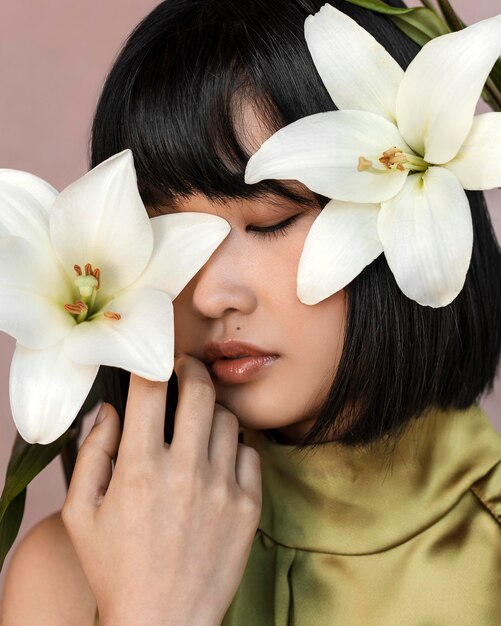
pixel 380 7
pixel 27 460
pixel 10 527
pixel 421 26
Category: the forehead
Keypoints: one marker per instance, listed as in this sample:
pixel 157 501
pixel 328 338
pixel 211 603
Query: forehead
pixel 251 129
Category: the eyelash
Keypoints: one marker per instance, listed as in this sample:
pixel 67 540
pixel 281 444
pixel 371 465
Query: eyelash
pixel 276 229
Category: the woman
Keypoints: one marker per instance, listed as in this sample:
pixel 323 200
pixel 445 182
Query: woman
pixel 393 515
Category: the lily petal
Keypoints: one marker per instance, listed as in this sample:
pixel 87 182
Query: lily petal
pixel 46 391
pixel 342 240
pixel 427 235
pixel 478 162
pixel 357 71
pixel 43 192
pixel 183 242
pixel 142 341
pixel 101 219
pixel 322 151
pixel 24 204
pixel 33 290
pixel 437 97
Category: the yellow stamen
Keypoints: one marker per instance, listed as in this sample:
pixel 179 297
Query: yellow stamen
pixel 393 159
pixel 97 274
pixel 112 315
pixel 77 307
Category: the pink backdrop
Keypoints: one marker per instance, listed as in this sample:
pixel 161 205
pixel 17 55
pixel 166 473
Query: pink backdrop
pixel 54 56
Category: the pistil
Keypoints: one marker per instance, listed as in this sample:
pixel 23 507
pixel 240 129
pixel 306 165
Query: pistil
pixel 87 285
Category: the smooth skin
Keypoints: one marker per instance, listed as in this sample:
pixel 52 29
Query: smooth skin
pixel 164 538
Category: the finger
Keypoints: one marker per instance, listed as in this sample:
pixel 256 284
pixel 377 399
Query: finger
pixel 195 408
pixel 144 422
pixel 223 441
pixel 92 472
pixel 248 470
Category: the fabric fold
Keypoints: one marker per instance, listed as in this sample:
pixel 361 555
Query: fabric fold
pixel 339 500
pixel 347 537
pixel 266 585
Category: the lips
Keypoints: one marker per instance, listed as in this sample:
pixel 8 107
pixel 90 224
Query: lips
pixel 231 349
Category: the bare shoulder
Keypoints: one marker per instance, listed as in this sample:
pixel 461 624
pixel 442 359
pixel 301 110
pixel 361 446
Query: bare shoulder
pixel 45 583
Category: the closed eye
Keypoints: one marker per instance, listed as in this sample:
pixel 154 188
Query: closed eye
pixel 275 230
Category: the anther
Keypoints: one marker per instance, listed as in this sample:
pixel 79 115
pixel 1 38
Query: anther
pixel 112 315
pixel 393 156
pixel 97 274
pixel 76 308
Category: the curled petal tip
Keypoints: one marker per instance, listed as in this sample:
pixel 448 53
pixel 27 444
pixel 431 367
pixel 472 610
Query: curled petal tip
pixel 250 176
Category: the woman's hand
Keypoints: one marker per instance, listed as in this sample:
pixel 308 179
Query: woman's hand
pixel 165 537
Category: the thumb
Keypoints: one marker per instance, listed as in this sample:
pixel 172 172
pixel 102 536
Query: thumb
pixel 92 473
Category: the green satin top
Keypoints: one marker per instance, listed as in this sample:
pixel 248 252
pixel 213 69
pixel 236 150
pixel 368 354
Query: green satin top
pixel 374 537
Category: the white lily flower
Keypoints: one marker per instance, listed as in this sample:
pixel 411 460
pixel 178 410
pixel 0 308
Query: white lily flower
pixel 87 279
pixel 404 146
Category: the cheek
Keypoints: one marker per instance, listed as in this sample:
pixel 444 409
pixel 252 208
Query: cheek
pixel 321 339
pixel 279 264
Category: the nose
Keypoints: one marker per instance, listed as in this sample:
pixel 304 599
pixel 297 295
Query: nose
pixel 227 281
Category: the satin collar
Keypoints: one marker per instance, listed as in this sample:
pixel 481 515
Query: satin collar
pixel 346 501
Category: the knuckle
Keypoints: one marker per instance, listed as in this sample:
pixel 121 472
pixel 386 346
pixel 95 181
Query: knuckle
pixel 188 475
pixel 140 476
pixel 249 505
pixel 202 390
pixel 229 418
pixel 95 443
pixel 69 516
pixel 251 454
pixel 186 364
pixel 107 408
pixel 222 491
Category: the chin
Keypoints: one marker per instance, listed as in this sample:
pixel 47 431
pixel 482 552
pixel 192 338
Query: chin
pixel 257 415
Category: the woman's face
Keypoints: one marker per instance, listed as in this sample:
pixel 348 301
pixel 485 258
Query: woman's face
pixel 247 292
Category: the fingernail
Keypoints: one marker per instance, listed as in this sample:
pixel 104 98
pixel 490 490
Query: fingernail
pixel 101 414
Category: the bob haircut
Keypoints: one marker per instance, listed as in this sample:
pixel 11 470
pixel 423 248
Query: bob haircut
pixel 169 97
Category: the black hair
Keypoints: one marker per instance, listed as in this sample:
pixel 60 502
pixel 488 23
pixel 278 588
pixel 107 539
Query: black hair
pixel 169 97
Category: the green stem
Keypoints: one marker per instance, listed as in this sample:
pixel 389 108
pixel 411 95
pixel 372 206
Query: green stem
pixel 429 5
pixel 450 15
